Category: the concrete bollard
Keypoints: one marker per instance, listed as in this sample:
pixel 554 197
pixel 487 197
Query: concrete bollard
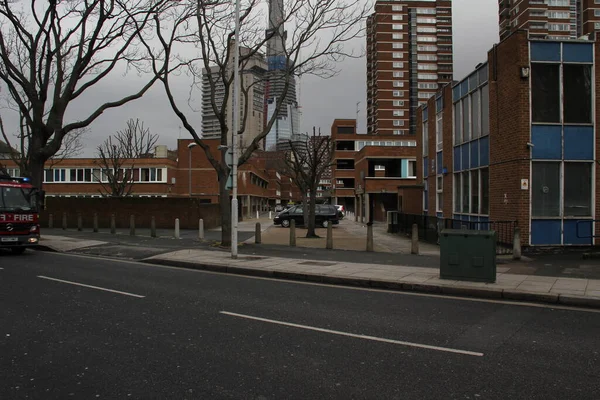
pixel 517 244
pixel 257 231
pixel 257 215
pixel 414 240
pixel 113 224
pixel 132 225
pixel 50 221
pixel 79 222
pixel 176 228
pixel 370 237
pixel 201 229
pixel 270 215
pixel 95 223
pixel 64 221
pixel 293 233
pixel 153 227
pixel 329 243
pixel 355 217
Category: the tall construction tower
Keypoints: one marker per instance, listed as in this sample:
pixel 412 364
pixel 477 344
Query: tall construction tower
pixel 287 123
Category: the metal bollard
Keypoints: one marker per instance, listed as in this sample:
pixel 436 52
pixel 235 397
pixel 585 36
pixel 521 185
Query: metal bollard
pixel 153 227
pixel 414 240
pixel 95 223
pixel 50 221
pixel 329 243
pixel 64 221
pixel 79 222
pixel 132 225
pixel 176 228
pixel 113 224
pixel 257 231
pixel 293 233
pixel 201 229
pixel 370 237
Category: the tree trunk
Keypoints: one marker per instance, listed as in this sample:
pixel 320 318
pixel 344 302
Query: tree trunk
pixel 311 214
pixel 35 172
pixel 225 206
pixel 305 215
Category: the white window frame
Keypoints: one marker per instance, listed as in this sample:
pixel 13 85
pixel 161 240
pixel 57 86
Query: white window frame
pixel 439 191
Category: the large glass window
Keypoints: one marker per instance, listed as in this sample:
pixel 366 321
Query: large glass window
pixel 485 110
pixel 439 129
pixel 466 109
pixel 439 193
pixel 578 190
pixel 577 87
pixel 476 114
pixel 545 188
pixel 545 92
pixel 485 191
pixel 465 192
pixel 457 187
pixel 425 138
pixel 475 192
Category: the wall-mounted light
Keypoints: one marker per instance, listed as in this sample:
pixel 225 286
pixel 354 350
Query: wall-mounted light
pixel 524 72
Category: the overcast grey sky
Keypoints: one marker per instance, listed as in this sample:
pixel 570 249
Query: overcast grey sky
pixel 475 24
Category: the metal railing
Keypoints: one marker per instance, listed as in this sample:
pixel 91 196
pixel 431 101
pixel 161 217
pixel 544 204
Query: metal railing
pixel 430 228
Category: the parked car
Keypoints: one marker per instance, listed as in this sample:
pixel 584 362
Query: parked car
pixel 341 210
pixel 279 208
pixel 323 213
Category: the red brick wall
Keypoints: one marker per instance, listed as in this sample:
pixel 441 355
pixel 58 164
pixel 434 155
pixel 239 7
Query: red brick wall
pixel 509 132
pixel 597 118
pixel 165 210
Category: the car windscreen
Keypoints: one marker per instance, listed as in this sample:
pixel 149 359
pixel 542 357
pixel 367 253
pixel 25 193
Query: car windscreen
pixel 16 199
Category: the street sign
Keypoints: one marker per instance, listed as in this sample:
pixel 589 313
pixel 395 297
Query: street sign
pixel 229 158
pixel 229 184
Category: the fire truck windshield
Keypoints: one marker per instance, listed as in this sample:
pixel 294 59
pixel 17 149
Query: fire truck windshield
pixel 16 199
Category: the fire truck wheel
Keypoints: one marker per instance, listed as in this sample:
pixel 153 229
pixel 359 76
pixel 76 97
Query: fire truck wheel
pixel 18 250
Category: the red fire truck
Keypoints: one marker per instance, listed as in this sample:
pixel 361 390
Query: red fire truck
pixel 20 204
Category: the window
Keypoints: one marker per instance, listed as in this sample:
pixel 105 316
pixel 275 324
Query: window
pixel 379 168
pixel 397 27
pixel 398 113
pixel 428 85
pixel 398 74
pixel 397 36
pixel 430 11
pixel 423 47
pixel 426 29
pixel 545 189
pixel 398 65
pixel 425 194
pixel 427 76
pixel 424 95
pixel 439 129
pixel 398 93
pixel 558 27
pixel 485 191
pixel 457 189
pixel 578 189
pixel 476 114
pixel 564 14
pixel 485 110
pixel 466 109
pixel 577 87
pixel 151 175
pixel 397 45
pixel 13 172
pixel 397 55
pixel 398 122
pixel 439 193
pixel 398 103
pixel 426 39
pixel 60 175
pixel 424 20
pixel 48 175
pixel 430 67
pixel 425 138
pixel 465 191
pixel 396 8
pixel 427 57
pixel 398 132
pixel 475 192
pixel 398 84
pixel 397 17
pixel 545 88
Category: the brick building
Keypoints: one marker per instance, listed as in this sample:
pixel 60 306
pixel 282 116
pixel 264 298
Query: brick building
pixel 516 141
pixel 409 56
pixel 549 19
pixel 373 174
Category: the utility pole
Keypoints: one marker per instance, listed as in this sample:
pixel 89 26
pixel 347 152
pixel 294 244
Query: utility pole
pixel 236 128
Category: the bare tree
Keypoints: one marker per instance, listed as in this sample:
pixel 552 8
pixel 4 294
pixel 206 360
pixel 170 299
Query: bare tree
pixel 117 157
pixel 306 162
pixel 52 52
pixel 320 29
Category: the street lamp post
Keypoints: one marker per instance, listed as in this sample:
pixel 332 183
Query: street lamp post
pixel 236 128
pixel 190 147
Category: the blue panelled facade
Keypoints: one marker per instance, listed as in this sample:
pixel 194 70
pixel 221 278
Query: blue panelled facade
pixel 562 142
pixel 471 147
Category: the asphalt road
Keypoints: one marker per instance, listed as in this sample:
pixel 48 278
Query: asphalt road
pixel 198 335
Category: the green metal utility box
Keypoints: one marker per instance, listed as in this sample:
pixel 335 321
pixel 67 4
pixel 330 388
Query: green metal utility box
pixel 468 255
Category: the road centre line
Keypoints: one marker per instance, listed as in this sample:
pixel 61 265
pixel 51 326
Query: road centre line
pixel 92 287
pixel 365 337
pixel 342 287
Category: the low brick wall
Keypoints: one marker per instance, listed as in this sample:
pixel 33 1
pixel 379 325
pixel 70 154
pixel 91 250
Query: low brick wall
pixel 164 210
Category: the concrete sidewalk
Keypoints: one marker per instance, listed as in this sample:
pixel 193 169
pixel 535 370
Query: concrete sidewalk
pixel 566 291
